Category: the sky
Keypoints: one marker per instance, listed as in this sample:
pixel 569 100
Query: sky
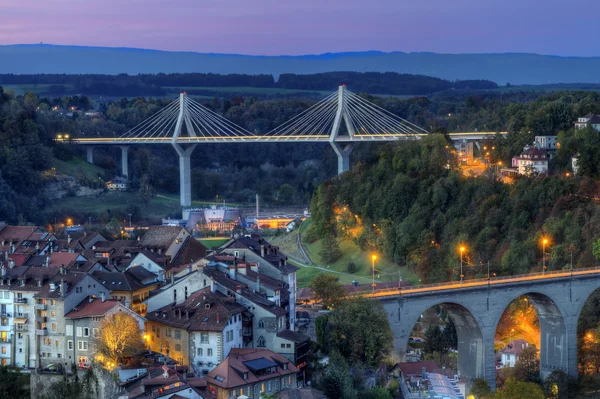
pixel 285 27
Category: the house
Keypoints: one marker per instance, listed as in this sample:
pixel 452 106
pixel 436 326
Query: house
pixel 588 120
pixel 11 237
pixel 253 248
pixel 464 152
pixel 251 372
pixel 164 383
pixel 295 347
pixel 200 332
pixel 131 287
pixel 117 184
pixel 81 326
pixel 510 353
pixel 150 261
pixel 547 143
pixel 533 161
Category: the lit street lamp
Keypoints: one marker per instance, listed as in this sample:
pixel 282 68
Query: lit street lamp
pixel 544 242
pixel 462 250
pixel 373 259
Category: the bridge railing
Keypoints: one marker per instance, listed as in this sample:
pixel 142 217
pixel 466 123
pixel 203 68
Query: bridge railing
pixel 475 282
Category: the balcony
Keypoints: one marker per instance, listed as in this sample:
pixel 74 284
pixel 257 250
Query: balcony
pixel 40 306
pixel 4 340
pixel 247 332
pixel 21 315
pixel 41 319
pixel 20 327
pixel 42 332
pixel 20 300
pixel 6 314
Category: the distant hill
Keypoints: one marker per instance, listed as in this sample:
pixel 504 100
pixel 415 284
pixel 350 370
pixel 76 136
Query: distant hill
pixel 511 68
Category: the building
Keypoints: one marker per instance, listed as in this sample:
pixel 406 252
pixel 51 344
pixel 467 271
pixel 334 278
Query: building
pixel 588 120
pixel 296 348
pixel 533 161
pixel 464 152
pixel 251 372
pixel 510 353
pixel 81 326
pixel 163 383
pixel 117 184
pixel 575 163
pixel 547 143
pixel 200 332
pixel 131 287
pixel 253 248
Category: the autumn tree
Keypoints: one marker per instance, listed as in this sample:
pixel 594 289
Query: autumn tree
pixel 480 388
pixel 518 389
pixel 119 338
pixel 327 289
pixel 527 367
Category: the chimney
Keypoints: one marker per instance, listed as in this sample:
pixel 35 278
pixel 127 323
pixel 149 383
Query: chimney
pixel 232 271
pixel 61 270
pixel 187 314
pixel 262 250
pixel 11 263
pixel 218 318
pixel 241 269
pixel 47 261
pixel 4 271
pixel 172 278
pixel 68 239
pixel 238 289
pixel 212 285
pixel 257 283
pixel 91 298
pixel 63 287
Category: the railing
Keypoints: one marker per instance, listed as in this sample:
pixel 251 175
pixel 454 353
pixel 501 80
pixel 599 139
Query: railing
pixel 20 300
pixel 43 331
pixel 21 315
pixel 4 340
pixel 481 282
pixel 6 314
pixel 40 306
pixel 41 319
pixel 21 327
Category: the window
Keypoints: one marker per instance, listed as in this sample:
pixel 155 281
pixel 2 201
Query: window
pixel 261 342
pixel 56 343
pixel 209 352
pixel 47 341
pixel 261 323
pixel 79 330
pixel 282 346
pixel 268 386
pixel 177 334
pixel 69 329
pixel 288 345
pixel 53 302
pixel 52 313
pixel 4 321
pixel 175 295
pixel 204 338
pixel 86 331
pixel 54 327
pixel 6 294
pixel 199 351
pixel 4 350
pixel 185 293
pixel 82 345
pixel 95 332
pixel 178 348
pixel 20 335
pixel 82 359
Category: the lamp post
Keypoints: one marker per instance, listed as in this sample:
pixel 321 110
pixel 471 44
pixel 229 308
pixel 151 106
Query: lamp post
pixel 462 250
pixel 373 259
pixel 544 242
pixel 130 220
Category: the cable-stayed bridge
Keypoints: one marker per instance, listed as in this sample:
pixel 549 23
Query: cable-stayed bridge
pixel 342 119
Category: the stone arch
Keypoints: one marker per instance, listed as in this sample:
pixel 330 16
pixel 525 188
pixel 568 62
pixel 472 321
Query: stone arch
pixel 471 358
pixel 554 337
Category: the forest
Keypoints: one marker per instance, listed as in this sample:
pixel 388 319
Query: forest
pixel 160 84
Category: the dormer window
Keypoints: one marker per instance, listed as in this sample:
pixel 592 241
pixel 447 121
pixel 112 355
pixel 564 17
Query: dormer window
pixel 21 283
pixel 245 376
pixel 284 366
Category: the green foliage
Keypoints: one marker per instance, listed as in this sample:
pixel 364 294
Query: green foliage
pixel 327 289
pixel 351 267
pixel 596 249
pixel 518 389
pixel 434 341
pixel 330 252
pixel 71 388
pixel 351 332
pixel 480 388
pixel 13 384
pixel 527 367
pixel 556 385
pixel 376 393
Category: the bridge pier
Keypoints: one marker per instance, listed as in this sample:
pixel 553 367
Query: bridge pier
pixel 185 173
pixel 124 160
pixel 343 155
pixel 90 154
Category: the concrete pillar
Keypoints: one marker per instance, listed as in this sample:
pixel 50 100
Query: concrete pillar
pixel 185 173
pixel 124 160
pixel 343 154
pixel 90 154
pixel 489 337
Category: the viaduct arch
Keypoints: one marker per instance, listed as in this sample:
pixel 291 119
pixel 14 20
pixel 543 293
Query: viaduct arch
pixel 476 309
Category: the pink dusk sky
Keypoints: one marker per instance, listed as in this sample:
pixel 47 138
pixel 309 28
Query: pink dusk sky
pixel 276 27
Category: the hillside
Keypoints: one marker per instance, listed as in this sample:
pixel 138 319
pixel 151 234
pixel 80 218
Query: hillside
pixel 505 68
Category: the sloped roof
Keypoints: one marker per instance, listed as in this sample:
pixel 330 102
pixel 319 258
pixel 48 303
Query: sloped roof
pixel 93 308
pixel 191 251
pixel 229 373
pixel 293 336
pixel 416 368
pixel 17 233
pixel 160 236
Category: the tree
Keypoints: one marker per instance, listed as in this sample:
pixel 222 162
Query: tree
pixel 556 385
pixel 517 389
pixel 449 335
pixel 73 388
pixel 434 340
pixel 351 267
pixel 13 384
pixel 480 388
pixel 596 249
pixel 352 332
pixel 327 289
pixel 330 252
pixel 146 191
pixel 119 338
pixel 527 367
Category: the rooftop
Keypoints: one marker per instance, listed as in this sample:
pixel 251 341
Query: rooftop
pixel 92 307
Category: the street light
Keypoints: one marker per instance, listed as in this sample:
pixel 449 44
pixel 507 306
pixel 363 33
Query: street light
pixel 462 250
pixel 544 242
pixel 373 259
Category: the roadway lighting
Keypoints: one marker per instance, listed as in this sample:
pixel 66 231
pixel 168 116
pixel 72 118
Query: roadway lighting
pixel 373 259
pixel 544 242
pixel 462 249
pixel 59 136
pixel 484 148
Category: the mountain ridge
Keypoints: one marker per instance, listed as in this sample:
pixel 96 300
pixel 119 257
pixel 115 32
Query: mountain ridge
pixel 514 68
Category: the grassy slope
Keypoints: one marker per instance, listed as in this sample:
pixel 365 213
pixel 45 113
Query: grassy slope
pixel 213 243
pixel 76 166
pixel 29 88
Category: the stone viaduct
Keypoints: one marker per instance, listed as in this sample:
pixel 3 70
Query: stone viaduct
pixel 475 307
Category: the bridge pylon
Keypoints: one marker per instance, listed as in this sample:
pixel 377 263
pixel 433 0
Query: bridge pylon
pixel 184 151
pixel 342 115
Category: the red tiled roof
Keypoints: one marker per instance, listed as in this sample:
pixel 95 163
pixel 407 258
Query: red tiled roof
pixel 19 259
pixel 62 258
pixel 90 309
